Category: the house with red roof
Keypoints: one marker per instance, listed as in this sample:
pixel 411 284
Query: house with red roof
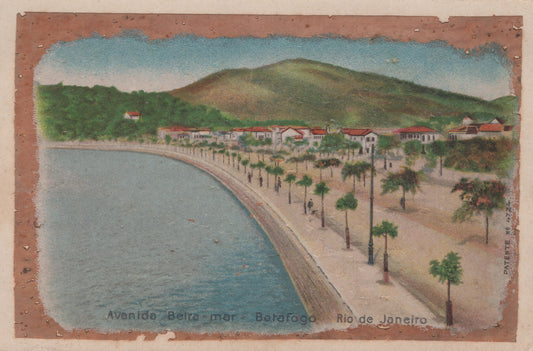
pixel 423 134
pixel 132 115
pixel 366 137
pixel 496 128
pixel 316 134
pixel 291 132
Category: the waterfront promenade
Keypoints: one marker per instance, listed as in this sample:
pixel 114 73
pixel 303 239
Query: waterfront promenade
pixel 336 285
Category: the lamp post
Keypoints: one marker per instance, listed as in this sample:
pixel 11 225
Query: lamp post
pixel 371 239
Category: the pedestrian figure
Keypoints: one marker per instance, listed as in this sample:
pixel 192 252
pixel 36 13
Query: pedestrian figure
pixel 390 164
pixel 260 181
pixel 310 205
pixel 279 183
pixel 249 177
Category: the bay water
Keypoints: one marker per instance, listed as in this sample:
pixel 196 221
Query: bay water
pixel 132 241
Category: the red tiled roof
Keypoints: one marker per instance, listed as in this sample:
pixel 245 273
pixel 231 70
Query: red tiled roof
pixel 491 127
pixel 468 129
pixel 416 129
pixel 318 131
pixel 258 129
pixel 175 129
pixel 356 132
pixel 133 113
pixel 458 130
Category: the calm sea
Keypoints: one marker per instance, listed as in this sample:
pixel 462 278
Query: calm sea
pixel 143 242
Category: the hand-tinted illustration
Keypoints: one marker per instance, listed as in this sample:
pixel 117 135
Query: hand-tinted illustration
pixel 276 186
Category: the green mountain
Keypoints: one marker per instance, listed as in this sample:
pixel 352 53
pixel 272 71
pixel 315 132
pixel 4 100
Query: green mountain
pixel 316 92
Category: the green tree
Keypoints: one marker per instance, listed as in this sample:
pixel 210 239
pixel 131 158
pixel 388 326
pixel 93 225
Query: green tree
pixel 345 203
pixel 252 167
pixel 308 157
pixel 333 162
pixel 385 144
pixel 385 229
pixel 332 142
pixel 406 179
pixel 361 168
pixel 322 189
pixel 277 172
pixel 352 145
pixel 245 163
pixel 295 160
pixel 233 156
pixel 412 150
pixel 239 159
pixel 438 149
pixel 449 271
pixel 268 170
pixel 168 139
pixel 321 164
pixel 349 170
pixel 290 178
pixel 260 165
pixel 479 197
pixel 306 182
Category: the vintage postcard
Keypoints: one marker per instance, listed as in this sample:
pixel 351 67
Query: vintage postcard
pixel 254 177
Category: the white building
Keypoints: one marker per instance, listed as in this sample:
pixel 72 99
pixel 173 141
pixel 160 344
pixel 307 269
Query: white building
pixel 365 137
pixel 423 134
pixel 133 115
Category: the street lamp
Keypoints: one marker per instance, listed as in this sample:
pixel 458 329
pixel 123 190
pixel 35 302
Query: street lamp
pixel 371 239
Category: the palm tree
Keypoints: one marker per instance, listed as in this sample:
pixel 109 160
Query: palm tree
pixel 260 165
pixel 385 144
pixel 349 170
pixel 290 178
pixel 322 189
pixel 352 145
pixel 412 150
pixel 438 148
pixel 277 172
pixel 308 157
pixel 296 160
pixel 385 229
pixel 321 164
pixel 449 271
pixel 245 162
pixel 361 167
pixel 407 179
pixel 252 167
pixel 306 182
pixel 345 203
pixel 223 152
pixel 233 155
pixel 479 197
pixel 333 162
pixel 268 170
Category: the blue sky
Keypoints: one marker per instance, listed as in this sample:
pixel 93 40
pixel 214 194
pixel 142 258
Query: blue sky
pixel 132 62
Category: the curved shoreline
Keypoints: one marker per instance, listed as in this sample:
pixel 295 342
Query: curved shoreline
pixel 318 295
